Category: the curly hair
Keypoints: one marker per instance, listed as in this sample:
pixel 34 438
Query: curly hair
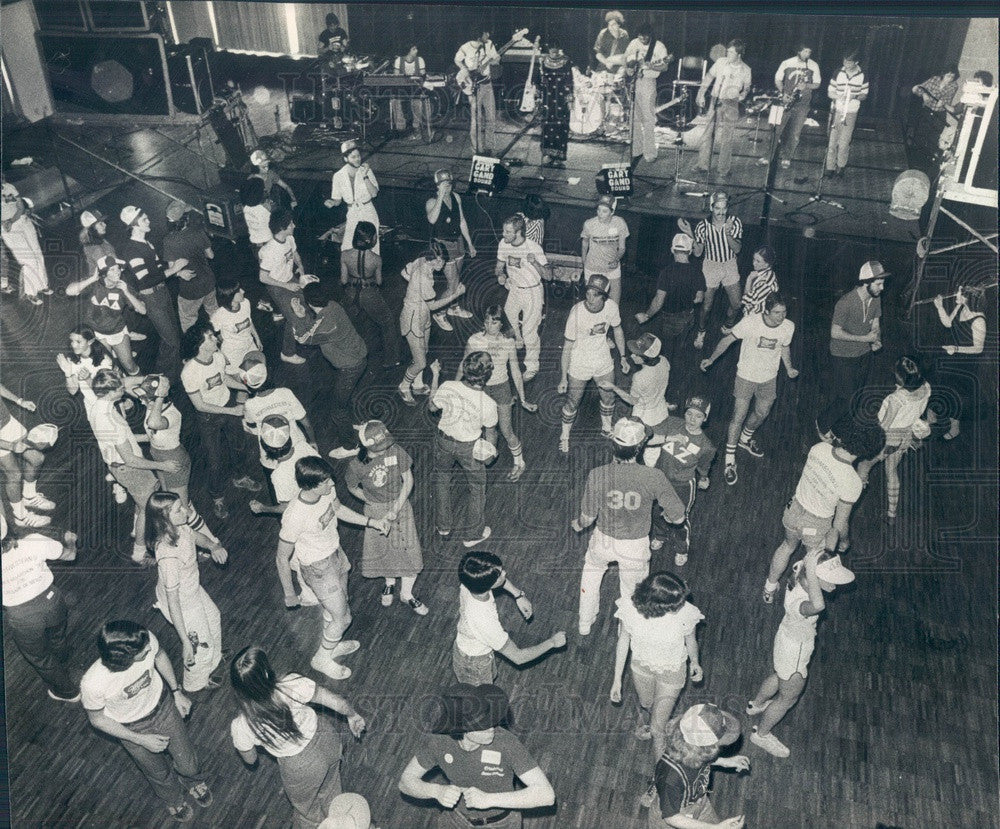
pixel 681 751
pixel 659 594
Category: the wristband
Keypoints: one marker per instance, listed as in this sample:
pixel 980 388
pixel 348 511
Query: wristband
pixel 368 523
pixel 519 596
pixel 174 690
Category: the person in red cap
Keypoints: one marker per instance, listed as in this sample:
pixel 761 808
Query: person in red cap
pixel 480 760
pixel 855 335
pixel 619 496
pixel 381 477
pixel 603 246
pixel 683 774
pixel 586 355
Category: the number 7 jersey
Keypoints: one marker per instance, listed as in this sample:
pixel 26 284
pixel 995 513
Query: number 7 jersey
pixel 621 495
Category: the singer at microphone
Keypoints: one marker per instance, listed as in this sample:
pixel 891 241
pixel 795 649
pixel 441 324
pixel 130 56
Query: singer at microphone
pixel 355 185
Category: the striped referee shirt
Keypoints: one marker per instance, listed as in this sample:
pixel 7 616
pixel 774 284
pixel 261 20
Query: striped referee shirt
pixel 717 248
pixel 844 87
pixel 759 285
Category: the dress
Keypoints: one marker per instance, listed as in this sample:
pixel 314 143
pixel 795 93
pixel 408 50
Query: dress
pixel 557 88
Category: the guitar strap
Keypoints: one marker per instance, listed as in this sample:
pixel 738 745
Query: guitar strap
pixel 650 49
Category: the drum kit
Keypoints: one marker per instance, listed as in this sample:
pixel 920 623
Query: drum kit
pixel 601 104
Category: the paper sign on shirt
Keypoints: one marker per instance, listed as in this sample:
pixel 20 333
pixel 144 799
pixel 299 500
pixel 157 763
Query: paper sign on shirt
pixel 489 757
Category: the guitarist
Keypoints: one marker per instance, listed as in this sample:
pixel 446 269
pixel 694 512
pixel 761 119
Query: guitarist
pixel 846 90
pixel 474 59
pixel 645 58
pixel 935 113
pixel 795 79
pixel 729 79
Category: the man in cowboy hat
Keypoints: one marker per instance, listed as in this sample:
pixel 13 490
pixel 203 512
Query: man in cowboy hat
pixel 479 758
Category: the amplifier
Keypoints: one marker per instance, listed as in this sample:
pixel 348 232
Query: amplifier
pixel 566 267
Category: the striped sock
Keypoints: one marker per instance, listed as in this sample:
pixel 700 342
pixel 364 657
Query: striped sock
pixel 745 435
pixel 516 452
pixel 607 413
pixel 730 453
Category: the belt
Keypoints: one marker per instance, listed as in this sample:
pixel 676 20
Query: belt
pixel 486 821
pixel 148 291
pixel 528 287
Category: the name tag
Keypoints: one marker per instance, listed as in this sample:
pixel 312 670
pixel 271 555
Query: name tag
pixel 490 757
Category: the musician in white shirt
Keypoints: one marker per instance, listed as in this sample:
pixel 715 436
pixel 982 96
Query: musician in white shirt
pixel 476 57
pixel 730 80
pixel 647 57
pixel 411 65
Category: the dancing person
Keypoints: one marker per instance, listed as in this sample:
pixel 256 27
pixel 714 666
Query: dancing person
pixel 94 240
pixel 480 761
pixel 684 453
pixel 855 335
pixel 796 79
pixel 611 43
pixel 256 212
pixel 586 355
pixel 186 240
pixel 730 81
pixel 679 287
pixel 276 189
pixel 720 238
pixel 647 394
pixel 449 230
pixel 469 418
pixel 765 342
pixel 535 213
pixel 361 272
pixel 901 416
pixel 657 625
pixel 131 693
pixel 179 594
pixel 846 90
pixel 419 305
pixel 519 268
pixel 20 237
pixel 619 496
pixel 645 57
pixel 34 608
pixel 500 346
pixel 282 273
pixel 480 634
pixel 265 399
pixel 86 357
pixel 761 283
pixel 277 714
pixel 967 324
pixel 20 462
pixel 309 532
pixel 381 477
pixel 819 572
pixel 233 322
pixel 819 513
pixel 555 79
pixel 355 185
pixel 603 246
pixel 411 64
pixel 474 60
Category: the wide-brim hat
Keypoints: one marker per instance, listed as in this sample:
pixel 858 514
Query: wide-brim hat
pixel 461 708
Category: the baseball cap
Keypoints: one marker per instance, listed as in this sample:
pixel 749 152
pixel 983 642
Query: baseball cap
pixel 275 431
pixel 599 282
pixel 42 436
pixel 105 262
pixel 89 218
pixel 699 403
pixel 648 345
pixel 607 201
pixel 718 194
pixel 708 725
pixel 254 369
pixel 373 434
pixel 347 811
pixel 833 571
pixel 129 214
pixel 347 146
pixel 681 241
pixel 442 175
pixel 151 385
pixel 258 157
pixel 872 269
pixel 629 431
pixel 176 210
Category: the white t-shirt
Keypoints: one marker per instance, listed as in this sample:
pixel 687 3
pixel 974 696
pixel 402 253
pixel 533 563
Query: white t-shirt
pixel 25 573
pixel 605 239
pixel 794 624
pixel 465 411
pixel 479 628
pixel 636 51
pixel 257 218
pixel 658 644
pixel 208 379
pixel 826 480
pixel 520 272
pixel 169 437
pixel 278 259
pixel 177 565
pixel 283 473
pixel 296 691
pixel 760 349
pixel 589 333
pixel 311 528
pixel 279 401
pixel 649 384
pixel 124 696
pixel 237 332
pixel 110 429
pixel 499 348
pixel 900 410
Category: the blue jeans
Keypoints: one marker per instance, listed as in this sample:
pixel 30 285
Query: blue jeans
pixel 311 778
pixel 448 452
pixel 327 578
pixel 38 628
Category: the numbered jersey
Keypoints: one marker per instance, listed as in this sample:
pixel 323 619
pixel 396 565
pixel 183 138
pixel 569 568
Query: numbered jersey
pixel 621 495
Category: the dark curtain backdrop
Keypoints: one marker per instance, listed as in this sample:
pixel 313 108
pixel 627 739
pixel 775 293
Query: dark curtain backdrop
pixel 896 52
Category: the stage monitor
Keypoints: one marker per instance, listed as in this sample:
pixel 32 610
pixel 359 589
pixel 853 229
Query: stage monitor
pixel 615 180
pixel 488 175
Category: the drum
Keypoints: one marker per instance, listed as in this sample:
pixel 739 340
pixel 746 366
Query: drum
pixel 909 194
pixel 587 114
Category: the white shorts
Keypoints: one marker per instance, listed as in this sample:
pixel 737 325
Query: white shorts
pixel 720 273
pixel 111 340
pixel 586 370
pixel 791 655
pixel 614 273
pixel 12 433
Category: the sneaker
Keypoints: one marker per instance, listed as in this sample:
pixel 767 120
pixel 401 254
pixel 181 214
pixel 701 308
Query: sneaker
pixel 182 813
pixel 752 447
pixel 277 317
pixel 584 630
pixel 730 474
pixel 58 698
pixel 121 496
pixel 656 544
pixel 785 164
pixel 327 665
pixel 294 359
pixel 680 559
pixel 46 292
pixel 442 320
pixel 768 595
pixel 342 453
pixel 699 340
pixel 247 483
pixel 345 647
pixel 417 606
pixel 34 300
pixel 459 312
pixel 421 389
pixel 530 375
pixel 264 305
pixel 219 508
pixel 406 394
pixel 202 795
pixel 754 710
pixel 388 594
pixel 472 542
pixel 770 744
pixel 444 533
pixel 32 520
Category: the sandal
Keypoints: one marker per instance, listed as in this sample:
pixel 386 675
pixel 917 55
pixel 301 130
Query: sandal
pixel 516 472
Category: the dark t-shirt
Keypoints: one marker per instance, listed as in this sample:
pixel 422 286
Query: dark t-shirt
pixel 681 281
pixel 104 308
pixel 679 785
pixel 335 331
pixel 191 243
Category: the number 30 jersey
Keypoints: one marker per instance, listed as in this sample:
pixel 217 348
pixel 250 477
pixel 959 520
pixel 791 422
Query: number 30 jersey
pixel 621 495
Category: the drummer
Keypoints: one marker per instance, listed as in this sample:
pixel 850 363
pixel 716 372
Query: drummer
pixel 355 185
pixel 609 48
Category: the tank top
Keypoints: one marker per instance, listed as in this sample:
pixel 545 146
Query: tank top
pixel 961 329
pixel 170 437
pixel 449 222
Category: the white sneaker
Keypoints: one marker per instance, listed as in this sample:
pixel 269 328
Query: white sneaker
pixel 327 665
pixel 406 394
pixel 342 453
pixel 39 501
pixel 584 629
pixel 770 743
pixel 459 312
pixel 345 647
pixel 472 542
pixel 294 359
pixel 655 544
pixel 699 340
pixel 420 389
pixel 442 320
pixel 32 520
pixel 680 559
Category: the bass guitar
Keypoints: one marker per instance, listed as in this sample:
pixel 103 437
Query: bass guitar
pixel 530 95
pixel 469 79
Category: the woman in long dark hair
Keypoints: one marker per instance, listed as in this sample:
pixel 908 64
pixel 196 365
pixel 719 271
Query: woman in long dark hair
pixel 361 272
pixel 276 714
pixel 556 81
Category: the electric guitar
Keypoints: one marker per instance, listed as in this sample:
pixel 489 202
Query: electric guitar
pixel 633 68
pixel 470 79
pixel 530 95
